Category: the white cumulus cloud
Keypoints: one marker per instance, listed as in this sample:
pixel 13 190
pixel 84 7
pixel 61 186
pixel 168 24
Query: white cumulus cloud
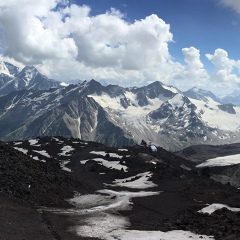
pixel 194 72
pixel 224 67
pixel 56 38
pixel 65 42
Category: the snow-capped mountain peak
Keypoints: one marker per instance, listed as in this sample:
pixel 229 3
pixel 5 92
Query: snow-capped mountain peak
pixel 29 78
pixel 27 75
pixel 8 69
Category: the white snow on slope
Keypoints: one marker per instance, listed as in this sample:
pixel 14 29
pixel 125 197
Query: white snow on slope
pixel 215 117
pixel 156 235
pixel 4 69
pixel 133 118
pixel 63 166
pixel 215 206
pixel 100 221
pixel 33 141
pixel 65 150
pixel 113 155
pixel 43 152
pixel 99 212
pixel 25 151
pixel 141 182
pixel 221 161
pixel 170 88
pixel 109 164
pixel 64 84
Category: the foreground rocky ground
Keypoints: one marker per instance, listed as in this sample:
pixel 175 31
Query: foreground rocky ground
pixel 119 191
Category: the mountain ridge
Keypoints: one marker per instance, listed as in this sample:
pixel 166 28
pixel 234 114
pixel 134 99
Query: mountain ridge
pixel 11 79
pixel 115 115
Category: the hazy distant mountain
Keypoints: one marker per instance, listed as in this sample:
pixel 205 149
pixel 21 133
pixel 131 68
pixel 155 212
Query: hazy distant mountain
pixel 200 94
pixel 233 98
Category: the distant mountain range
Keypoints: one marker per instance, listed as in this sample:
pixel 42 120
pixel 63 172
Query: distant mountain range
pixel 111 114
pixel 11 79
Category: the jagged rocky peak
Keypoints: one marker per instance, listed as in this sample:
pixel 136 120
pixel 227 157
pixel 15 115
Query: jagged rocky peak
pixel 155 90
pixel 115 90
pixel 28 78
pixel 8 69
pixel 229 108
pixel 152 91
pixel 93 87
pixel 27 74
pixel 200 94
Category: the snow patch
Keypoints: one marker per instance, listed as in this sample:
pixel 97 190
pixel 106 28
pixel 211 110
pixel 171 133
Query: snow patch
pixel 140 181
pixel 66 149
pixel 113 155
pixel 123 150
pixel 215 206
pixel 221 161
pixel 156 235
pixel 33 141
pixel 63 84
pixel 25 151
pixel 63 166
pixel 109 164
pixel 43 152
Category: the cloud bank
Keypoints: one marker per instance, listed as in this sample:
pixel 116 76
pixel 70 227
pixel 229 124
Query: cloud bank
pixel 65 42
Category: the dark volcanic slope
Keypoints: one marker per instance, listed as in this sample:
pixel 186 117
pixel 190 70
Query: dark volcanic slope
pixel 183 190
pixel 34 181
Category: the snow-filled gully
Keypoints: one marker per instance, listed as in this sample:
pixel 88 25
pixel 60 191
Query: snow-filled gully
pixel 98 214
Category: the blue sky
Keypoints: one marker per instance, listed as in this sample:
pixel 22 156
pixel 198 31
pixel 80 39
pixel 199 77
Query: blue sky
pixel 181 43
pixel 204 24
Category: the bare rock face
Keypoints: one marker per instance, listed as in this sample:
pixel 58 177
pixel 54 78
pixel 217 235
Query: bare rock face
pixel 227 108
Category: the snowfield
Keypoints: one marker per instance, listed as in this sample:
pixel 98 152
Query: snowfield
pixel 98 218
pixel 100 221
pixel 211 114
pixel 221 161
pixel 215 206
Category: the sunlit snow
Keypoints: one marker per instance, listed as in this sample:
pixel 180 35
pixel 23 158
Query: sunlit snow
pixel 109 164
pixel 221 161
pixel 156 235
pixel 25 151
pixel 63 166
pixel 33 141
pixel 215 117
pixel 43 152
pixel 134 118
pixel 140 181
pixel 99 219
pixel 102 153
pixel 66 149
pixel 215 206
